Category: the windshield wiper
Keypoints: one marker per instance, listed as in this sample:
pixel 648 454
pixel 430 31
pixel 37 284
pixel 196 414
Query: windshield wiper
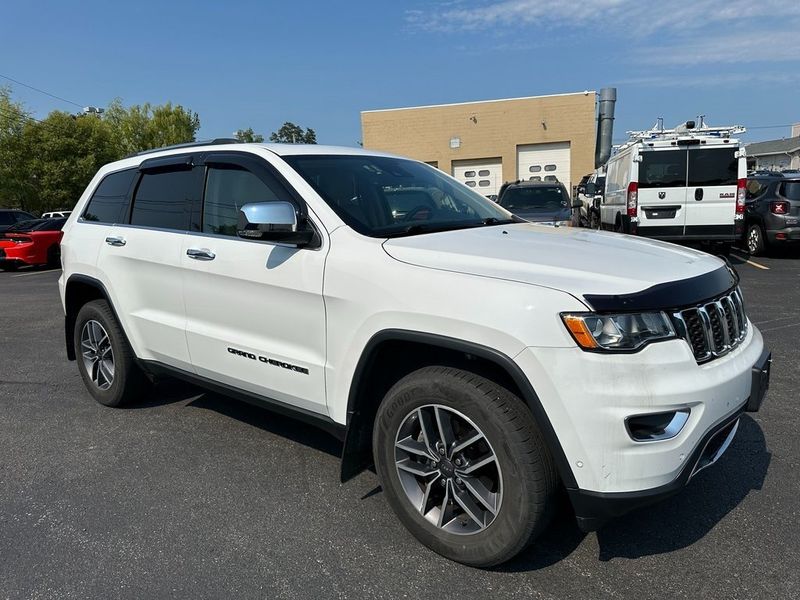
pixel 437 227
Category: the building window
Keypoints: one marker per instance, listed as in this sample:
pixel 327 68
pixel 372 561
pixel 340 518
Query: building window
pixel 484 183
pixel 469 173
pixel 470 183
pixel 550 167
pixel 551 178
pixel 483 173
pixel 535 178
pixel 535 168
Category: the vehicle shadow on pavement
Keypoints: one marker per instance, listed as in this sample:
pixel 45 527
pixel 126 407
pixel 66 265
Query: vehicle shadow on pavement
pixel 675 523
pixel 687 517
pixel 270 421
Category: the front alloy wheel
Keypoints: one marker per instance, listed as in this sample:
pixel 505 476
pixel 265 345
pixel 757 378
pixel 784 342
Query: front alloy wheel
pixel 463 465
pixel 448 469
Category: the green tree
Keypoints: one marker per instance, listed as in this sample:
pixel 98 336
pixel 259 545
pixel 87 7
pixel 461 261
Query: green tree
pixel 60 155
pixel 289 133
pixel 248 135
pixel 15 187
pixel 142 127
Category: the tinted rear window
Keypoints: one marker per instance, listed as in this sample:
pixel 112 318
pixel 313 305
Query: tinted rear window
pixel 664 168
pixel 109 203
pixel 791 190
pixel 6 218
pixel 537 199
pixel 165 200
pixel 713 166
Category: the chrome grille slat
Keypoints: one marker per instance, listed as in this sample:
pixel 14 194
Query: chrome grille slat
pixel 713 328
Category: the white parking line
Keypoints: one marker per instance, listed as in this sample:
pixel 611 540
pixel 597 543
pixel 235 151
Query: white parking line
pixel 37 273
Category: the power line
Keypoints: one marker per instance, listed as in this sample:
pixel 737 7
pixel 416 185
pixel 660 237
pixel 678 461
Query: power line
pixel 35 89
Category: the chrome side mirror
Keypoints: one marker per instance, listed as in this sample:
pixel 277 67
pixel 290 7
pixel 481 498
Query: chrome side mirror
pixel 273 222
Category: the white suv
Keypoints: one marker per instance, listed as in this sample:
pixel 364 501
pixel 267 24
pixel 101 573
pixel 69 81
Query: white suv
pixel 437 335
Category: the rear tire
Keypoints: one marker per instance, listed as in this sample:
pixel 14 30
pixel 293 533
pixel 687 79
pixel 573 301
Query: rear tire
pixel 54 256
pixel 756 240
pixel 105 359
pixel 10 266
pixel 491 512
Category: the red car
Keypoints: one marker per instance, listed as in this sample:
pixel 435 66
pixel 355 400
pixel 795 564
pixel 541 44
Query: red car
pixel 35 242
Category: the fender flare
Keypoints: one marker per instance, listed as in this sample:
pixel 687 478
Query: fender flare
pixel 70 316
pixel 351 466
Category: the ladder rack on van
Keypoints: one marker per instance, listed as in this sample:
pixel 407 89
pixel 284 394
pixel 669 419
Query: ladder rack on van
pixel 683 131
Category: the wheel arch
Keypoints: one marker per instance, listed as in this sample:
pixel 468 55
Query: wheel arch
pixel 391 354
pixel 79 290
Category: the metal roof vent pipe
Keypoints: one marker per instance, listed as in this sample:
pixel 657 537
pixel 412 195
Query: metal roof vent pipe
pixel 605 125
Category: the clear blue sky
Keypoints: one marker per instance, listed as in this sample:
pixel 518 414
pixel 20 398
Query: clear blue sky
pixel 258 64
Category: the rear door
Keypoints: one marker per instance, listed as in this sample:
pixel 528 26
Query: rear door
pixel 662 192
pixel 711 191
pixel 141 260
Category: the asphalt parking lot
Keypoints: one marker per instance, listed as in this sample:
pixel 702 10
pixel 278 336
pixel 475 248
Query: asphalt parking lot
pixel 194 495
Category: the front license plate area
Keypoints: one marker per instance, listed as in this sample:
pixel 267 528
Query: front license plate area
pixel 760 384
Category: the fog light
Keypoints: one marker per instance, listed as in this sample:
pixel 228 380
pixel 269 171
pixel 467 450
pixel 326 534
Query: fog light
pixel 656 427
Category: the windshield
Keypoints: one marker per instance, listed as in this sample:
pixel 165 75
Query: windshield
pixel 535 199
pixel 386 197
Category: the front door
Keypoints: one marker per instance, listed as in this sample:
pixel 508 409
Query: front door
pixel 255 313
pixel 662 192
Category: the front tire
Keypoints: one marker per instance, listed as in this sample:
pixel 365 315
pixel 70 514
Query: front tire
pixel 464 465
pixel 105 359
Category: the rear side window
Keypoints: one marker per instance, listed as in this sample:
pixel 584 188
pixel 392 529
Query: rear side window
pixel 791 190
pixel 713 166
pixel 7 218
pixel 662 168
pixel 109 203
pixel 230 188
pixel 165 200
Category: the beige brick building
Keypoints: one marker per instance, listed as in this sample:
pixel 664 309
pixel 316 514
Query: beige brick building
pixel 486 143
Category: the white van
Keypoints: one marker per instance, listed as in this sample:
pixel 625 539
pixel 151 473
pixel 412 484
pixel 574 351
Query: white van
pixel 685 185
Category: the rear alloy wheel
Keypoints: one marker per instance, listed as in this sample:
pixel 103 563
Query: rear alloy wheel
pixel 97 354
pixel 756 244
pixel 463 465
pixel 105 359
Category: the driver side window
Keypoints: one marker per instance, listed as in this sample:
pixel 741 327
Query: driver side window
pixel 228 188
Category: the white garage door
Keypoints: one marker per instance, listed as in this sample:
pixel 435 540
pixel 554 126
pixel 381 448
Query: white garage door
pixel 484 175
pixel 544 162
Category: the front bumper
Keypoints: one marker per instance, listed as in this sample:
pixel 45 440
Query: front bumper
pixel 593 509
pixel 588 397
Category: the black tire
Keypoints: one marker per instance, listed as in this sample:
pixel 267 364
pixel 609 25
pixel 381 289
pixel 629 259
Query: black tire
pixel 128 382
pixel 755 240
pixel 524 465
pixel 9 266
pixel 54 256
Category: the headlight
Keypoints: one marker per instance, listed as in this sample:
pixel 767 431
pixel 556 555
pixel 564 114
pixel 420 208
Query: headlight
pixel 623 332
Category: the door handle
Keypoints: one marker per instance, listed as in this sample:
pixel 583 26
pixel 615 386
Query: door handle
pixel 200 254
pixel 115 240
pixel 698 194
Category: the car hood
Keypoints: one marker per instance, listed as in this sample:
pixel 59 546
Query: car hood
pixel 578 261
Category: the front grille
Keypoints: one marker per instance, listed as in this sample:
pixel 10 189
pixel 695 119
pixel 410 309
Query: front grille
pixel 714 328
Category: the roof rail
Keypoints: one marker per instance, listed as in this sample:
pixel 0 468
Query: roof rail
pixel 214 142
